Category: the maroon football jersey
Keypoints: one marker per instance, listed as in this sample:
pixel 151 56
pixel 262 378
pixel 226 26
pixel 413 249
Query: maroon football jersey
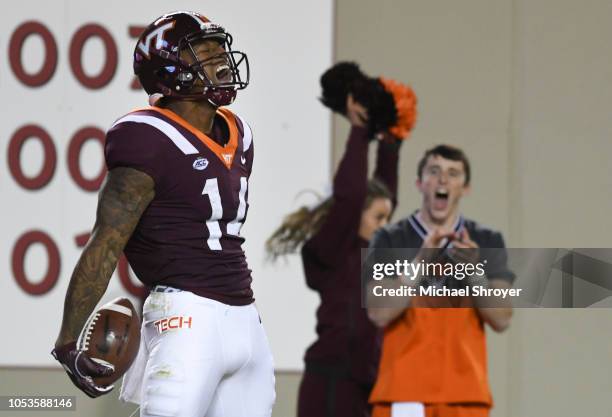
pixel 189 235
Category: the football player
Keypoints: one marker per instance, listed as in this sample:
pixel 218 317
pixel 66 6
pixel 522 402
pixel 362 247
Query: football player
pixel 174 201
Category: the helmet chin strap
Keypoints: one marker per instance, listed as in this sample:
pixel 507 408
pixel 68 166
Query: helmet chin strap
pixel 220 96
pixel 217 96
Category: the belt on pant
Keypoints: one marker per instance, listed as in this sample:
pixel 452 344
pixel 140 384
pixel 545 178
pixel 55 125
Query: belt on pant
pixel 165 288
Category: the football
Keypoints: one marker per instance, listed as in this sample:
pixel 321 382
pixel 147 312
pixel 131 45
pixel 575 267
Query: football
pixel 111 335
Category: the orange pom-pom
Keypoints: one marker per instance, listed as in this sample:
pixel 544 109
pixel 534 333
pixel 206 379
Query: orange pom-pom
pixel 405 105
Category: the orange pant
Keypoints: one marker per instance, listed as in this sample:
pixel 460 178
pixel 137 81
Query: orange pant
pixel 439 410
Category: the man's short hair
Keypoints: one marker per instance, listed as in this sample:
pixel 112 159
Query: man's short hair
pixel 447 152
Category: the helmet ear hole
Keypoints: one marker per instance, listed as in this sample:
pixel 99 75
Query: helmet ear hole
pixel 185 78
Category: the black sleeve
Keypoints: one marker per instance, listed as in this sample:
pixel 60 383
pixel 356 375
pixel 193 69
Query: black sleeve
pixel 496 258
pixel 381 239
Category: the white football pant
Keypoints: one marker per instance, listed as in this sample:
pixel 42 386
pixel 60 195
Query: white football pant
pixel 200 358
pixel 407 409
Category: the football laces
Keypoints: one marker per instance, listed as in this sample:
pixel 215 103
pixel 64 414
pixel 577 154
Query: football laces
pixel 85 336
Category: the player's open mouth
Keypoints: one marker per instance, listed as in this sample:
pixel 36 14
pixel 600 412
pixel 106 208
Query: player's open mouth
pixel 223 73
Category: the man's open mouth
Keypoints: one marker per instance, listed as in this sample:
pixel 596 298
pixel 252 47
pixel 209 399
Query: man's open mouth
pixel 223 73
pixel 441 199
pixel 442 193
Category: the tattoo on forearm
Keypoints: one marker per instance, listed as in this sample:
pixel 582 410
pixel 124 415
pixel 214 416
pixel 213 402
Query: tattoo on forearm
pixel 123 198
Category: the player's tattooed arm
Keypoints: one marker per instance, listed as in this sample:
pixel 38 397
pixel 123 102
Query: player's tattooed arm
pixel 124 197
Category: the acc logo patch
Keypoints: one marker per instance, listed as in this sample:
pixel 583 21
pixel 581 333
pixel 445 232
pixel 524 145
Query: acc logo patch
pixel 200 164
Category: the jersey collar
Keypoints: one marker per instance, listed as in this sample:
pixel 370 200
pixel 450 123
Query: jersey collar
pixel 224 153
pixel 422 230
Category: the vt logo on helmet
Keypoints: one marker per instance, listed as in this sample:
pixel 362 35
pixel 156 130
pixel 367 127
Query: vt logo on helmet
pixel 175 57
pixel 158 34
